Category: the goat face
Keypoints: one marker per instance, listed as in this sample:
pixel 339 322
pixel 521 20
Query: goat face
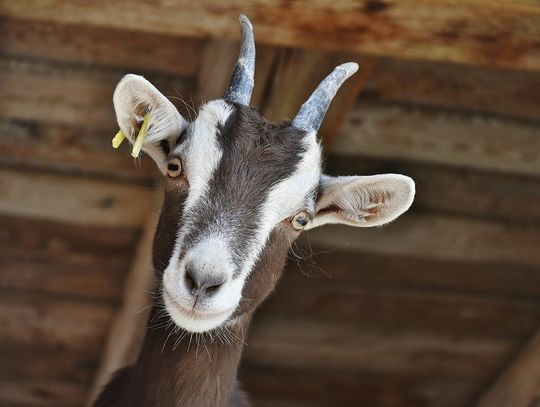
pixel 239 190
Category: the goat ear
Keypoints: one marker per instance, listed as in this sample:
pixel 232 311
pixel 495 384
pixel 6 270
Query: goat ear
pixel 363 201
pixel 134 98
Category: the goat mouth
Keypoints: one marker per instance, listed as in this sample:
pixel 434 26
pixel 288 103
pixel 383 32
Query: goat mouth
pixel 192 313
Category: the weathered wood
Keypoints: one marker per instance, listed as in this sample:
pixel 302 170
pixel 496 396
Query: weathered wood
pixel 504 92
pixel 291 342
pixel 36 363
pixel 322 266
pixel 462 191
pixel 395 310
pixel 472 141
pixel 74 95
pixel 138 51
pixel 519 383
pixel 74 276
pixel 59 324
pixel 72 199
pixel 68 148
pixel 439 237
pixel 476 32
pixel 297 387
pixel 40 394
pixel 127 332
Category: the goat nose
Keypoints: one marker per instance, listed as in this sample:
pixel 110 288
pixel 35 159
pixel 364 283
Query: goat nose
pixel 202 283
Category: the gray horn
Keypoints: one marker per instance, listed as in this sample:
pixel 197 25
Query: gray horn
pixel 312 112
pixel 241 83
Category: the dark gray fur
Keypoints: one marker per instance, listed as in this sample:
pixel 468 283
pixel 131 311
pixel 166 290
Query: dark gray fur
pixel 249 168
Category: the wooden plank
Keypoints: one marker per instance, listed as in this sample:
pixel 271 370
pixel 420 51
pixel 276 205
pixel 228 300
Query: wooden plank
pixel 442 137
pixel 37 363
pixel 438 237
pixel 504 92
pixel 309 344
pixel 476 32
pixel 40 394
pixel 320 266
pixel 395 310
pixel 68 148
pixel 73 199
pixel 317 388
pixel 105 46
pixel 519 383
pixel 74 95
pixel 461 191
pixel 59 324
pixel 128 329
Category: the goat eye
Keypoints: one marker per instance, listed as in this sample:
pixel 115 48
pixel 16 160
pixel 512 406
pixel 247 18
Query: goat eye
pixel 174 168
pixel 300 221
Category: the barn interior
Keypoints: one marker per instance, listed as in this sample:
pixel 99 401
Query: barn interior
pixel 440 308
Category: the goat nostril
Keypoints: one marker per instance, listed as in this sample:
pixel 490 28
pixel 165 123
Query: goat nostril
pixel 211 290
pixel 190 281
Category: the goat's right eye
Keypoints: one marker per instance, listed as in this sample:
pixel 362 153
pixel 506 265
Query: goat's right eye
pixel 174 168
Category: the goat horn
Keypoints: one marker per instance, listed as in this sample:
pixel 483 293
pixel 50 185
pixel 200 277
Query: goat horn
pixel 311 113
pixel 241 82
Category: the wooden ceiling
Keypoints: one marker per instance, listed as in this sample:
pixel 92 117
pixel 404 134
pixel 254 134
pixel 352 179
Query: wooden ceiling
pixel 432 310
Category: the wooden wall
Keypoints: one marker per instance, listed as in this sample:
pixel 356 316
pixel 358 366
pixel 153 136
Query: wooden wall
pixel 428 311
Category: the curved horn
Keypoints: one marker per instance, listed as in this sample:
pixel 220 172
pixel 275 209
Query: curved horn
pixel 241 83
pixel 311 114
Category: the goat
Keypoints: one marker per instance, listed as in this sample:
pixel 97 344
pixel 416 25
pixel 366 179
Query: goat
pixel 238 191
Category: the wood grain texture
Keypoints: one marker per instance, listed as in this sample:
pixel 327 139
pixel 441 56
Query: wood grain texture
pixel 504 92
pixel 69 261
pixel 267 387
pixel 463 140
pixel 78 150
pixel 72 199
pixel 519 383
pixel 108 47
pixel 345 347
pixel 67 94
pixel 439 237
pixel 476 32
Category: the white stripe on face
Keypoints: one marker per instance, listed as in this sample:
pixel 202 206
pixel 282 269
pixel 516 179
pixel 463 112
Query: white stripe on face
pixel 201 155
pixel 287 198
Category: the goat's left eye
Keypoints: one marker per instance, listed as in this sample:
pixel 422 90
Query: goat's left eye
pixel 300 220
pixel 174 168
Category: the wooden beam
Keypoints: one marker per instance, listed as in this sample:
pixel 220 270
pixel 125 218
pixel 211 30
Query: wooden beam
pixel 348 347
pixel 503 92
pixel 519 383
pixel 472 32
pixel 438 237
pixel 72 149
pixel 436 136
pixel 127 331
pixel 72 199
pixel 301 387
pixel 69 94
pixel 31 320
pixel 108 47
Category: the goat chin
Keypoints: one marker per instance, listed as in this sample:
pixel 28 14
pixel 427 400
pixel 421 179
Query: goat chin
pixel 194 321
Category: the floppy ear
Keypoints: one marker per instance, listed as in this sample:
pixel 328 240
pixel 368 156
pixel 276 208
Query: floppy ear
pixel 134 99
pixel 362 200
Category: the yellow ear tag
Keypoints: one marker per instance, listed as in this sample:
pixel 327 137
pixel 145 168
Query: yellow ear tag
pixel 118 138
pixel 141 136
